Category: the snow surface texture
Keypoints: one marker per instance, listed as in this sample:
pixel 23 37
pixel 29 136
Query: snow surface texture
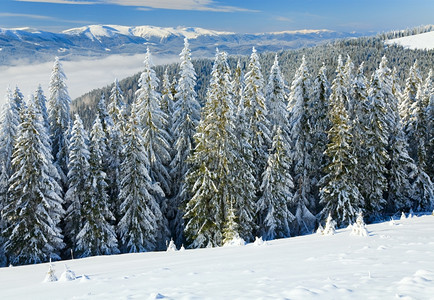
pixel 418 41
pixel 395 261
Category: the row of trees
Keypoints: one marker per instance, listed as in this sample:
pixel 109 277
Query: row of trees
pixel 258 159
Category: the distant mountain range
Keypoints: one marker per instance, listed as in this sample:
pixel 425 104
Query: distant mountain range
pixel 30 46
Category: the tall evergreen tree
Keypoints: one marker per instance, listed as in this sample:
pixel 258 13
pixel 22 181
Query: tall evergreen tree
pixel 140 212
pixel 79 185
pixel 213 181
pixel 10 119
pixel 376 137
pixel 41 102
pixel 339 193
pixel 96 236
pixel 155 137
pixel 320 125
pixel 276 187
pixel 429 100
pixel 256 115
pixel 238 83
pixel 116 108
pixel 59 118
pixel 400 165
pixel 34 206
pixel 301 146
pixel 186 116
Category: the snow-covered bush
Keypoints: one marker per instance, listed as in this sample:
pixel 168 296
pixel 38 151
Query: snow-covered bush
pixel 359 228
pixel 171 247
pixel 50 276
pixel 67 275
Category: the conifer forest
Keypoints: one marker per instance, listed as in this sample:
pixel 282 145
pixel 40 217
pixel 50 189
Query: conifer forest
pixel 205 152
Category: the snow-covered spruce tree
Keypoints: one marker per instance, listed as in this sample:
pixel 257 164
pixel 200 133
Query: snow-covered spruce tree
pixel 41 102
pixel 18 98
pixel 105 118
pixel 399 165
pixel 428 95
pixel 79 186
pixel 115 109
pixel 319 126
pixel 339 193
pixel 238 83
pixel 34 208
pixel 186 116
pixel 349 80
pixel 97 236
pixel 374 159
pixel 4 185
pixel 59 118
pixel 214 180
pixel 359 124
pixel 10 119
pixel 276 188
pixel 154 121
pixel 300 129
pixel 423 190
pixel 140 213
pixel 412 83
pixel 256 115
pixel 276 99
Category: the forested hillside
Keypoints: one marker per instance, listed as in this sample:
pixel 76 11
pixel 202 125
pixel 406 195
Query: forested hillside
pixel 210 153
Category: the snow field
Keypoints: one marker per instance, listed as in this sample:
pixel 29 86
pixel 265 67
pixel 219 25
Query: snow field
pixel 395 261
pixel 418 41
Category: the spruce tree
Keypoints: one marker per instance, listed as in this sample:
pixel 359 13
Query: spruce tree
pixel 300 129
pixel 79 185
pixel 96 236
pixel 276 187
pixel 339 193
pixel 140 213
pixel 186 115
pixel 400 166
pixel 238 83
pixel 41 102
pixel 320 125
pixel 115 109
pixel 213 180
pixel 34 206
pixel 376 136
pixel 59 119
pixel 155 137
pixel 256 115
pixel 10 119
pixel 429 100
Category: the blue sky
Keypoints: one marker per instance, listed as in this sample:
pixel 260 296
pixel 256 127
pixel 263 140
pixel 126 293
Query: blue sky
pixel 237 15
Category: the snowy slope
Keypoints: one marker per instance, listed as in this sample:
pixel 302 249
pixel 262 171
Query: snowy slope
pixel 395 261
pixel 418 41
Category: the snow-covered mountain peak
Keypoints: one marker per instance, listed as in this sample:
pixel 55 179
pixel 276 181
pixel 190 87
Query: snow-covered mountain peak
pixel 96 31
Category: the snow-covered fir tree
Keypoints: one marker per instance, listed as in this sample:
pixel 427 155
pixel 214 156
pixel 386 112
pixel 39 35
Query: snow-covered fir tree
pixel 18 98
pixel 256 115
pixel 400 165
pixel 186 116
pixel 276 99
pixel 375 157
pixel 339 193
pixel 41 102
pixel 97 236
pixel 238 83
pixel 140 213
pixel 412 83
pixel 154 121
pixel 274 215
pixel 34 207
pixel 320 125
pixel 428 96
pixel 214 182
pixel 116 109
pixel 300 129
pixel 417 128
pixel 78 177
pixel 59 118
pixel 10 119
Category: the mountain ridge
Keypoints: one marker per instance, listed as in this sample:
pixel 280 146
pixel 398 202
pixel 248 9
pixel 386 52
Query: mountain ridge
pixel 31 45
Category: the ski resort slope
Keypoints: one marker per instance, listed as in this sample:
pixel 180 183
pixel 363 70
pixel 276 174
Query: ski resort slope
pixel 395 261
pixel 419 41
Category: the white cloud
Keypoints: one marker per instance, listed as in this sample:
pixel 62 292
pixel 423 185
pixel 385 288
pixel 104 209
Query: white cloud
pixel 83 76
pixel 30 16
pixel 201 5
